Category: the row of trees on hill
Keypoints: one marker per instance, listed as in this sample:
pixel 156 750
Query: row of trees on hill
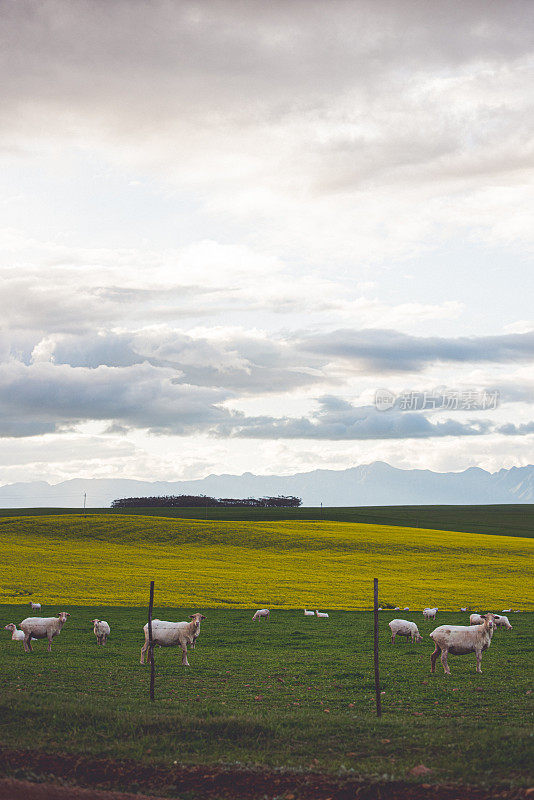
pixel 201 501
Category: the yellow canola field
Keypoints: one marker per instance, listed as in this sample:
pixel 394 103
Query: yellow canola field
pixel 111 559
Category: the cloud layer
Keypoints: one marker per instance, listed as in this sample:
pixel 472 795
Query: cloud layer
pixel 233 222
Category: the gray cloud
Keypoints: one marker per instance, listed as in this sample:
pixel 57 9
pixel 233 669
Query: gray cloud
pixel 516 430
pixel 238 362
pixel 234 71
pixel 338 420
pixel 391 351
pixel 251 364
pixel 44 397
pixel 61 301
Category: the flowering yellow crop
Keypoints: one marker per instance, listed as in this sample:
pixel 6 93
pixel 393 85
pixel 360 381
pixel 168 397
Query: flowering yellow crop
pixel 111 559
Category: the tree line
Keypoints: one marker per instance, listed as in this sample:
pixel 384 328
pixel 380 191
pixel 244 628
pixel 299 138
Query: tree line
pixel 201 501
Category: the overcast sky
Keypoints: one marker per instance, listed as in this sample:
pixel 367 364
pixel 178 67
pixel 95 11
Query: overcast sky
pixel 225 226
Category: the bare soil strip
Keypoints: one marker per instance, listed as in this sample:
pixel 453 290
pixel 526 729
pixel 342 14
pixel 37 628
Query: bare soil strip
pixel 11 789
pixel 104 775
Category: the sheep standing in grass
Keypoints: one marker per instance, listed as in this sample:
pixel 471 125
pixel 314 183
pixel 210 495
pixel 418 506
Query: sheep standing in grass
pixel 262 613
pixel 402 627
pixel 172 634
pixel 35 606
pixel 461 640
pixel 42 628
pixel 16 635
pixel 476 619
pixel 430 613
pixel 101 630
pixel 502 622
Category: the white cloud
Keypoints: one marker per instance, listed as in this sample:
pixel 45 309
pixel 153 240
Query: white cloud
pixel 226 209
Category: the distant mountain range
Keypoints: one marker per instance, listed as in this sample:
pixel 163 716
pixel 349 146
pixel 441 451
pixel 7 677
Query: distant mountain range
pixel 376 484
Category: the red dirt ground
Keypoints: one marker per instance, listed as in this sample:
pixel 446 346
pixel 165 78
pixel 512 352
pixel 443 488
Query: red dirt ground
pixel 98 779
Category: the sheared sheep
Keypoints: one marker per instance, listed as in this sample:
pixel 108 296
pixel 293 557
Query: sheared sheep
pixel 170 634
pixel 402 627
pixel 42 628
pixel 461 640
pixel 101 630
pixel 430 613
pixel 262 613
pixel 502 622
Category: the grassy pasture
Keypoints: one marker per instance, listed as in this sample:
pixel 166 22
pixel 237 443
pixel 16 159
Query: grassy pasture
pixel 504 519
pixel 110 559
pixel 294 692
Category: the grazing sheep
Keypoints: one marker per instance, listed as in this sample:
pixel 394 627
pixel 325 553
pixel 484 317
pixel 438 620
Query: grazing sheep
pixel 502 622
pixel 101 630
pixel 171 634
pixel 42 628
pixel 309 613
pixel 406 609
pixel 321 614
pixel 402 627
pixel 397 608
pixel 463 609
pixel 35 606
pixel 506 611
pixel 430 613
pixel 380 608
pixel 262 612
pixel 476 619
pixel 461 640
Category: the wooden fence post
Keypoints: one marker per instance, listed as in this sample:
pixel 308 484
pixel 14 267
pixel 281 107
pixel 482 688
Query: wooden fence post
pixel 150 641
pixel 377 671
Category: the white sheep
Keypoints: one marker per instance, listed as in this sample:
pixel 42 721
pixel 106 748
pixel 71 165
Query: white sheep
pixel 430 613
pixel 35 606
pixel 171 634
pixel 42 628
pixel 506 611
pixel 397 608
pixel 463 609
pixel 461 640
pixel 101 630
pixel 476 619
pixel 17 636
pixel 309 613
pixel 321 614
pixel 502 622
pixel 262 612
pixel 402 627
pixel 406 608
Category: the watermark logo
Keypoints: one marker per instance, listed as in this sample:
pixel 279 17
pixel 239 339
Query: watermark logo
pixel 437 400
pixel 384 399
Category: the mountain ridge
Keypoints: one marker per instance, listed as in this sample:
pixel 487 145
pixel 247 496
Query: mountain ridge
pixel 377 483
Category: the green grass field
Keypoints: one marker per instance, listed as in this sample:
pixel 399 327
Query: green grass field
pixel 110 559
pixel 508 519
pixel 295 692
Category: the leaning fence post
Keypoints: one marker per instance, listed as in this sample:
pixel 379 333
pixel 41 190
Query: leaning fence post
pixel 150 640
pixel 377 671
